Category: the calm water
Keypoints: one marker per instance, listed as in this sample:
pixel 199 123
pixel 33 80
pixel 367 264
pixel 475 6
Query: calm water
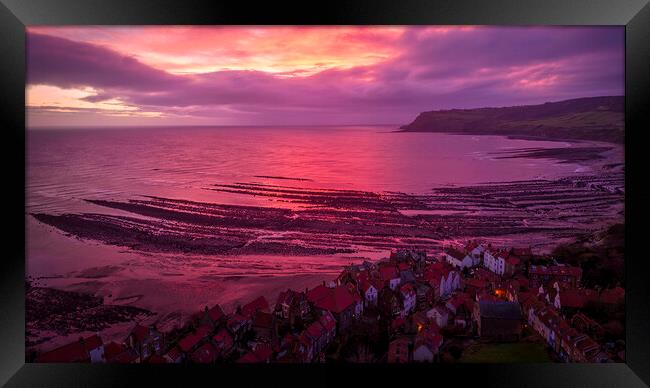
pixel 67 166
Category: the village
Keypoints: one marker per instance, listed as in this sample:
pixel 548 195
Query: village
pixel 409 307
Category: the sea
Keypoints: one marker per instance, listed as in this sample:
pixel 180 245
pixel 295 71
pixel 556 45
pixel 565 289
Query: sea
pixel 67 166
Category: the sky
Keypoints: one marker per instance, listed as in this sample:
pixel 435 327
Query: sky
pixel 293 75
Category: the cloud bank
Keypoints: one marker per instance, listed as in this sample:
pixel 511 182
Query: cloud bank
pixel 324 76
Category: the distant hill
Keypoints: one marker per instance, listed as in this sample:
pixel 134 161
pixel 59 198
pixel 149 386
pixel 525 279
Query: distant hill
pixel 591 118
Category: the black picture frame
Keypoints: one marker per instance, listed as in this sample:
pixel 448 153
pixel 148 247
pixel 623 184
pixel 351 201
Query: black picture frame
pixel 16 14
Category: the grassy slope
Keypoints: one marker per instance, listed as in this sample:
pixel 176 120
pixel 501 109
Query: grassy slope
pixel 595 118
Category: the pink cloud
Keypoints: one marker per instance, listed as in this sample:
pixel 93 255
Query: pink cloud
pixel 408 69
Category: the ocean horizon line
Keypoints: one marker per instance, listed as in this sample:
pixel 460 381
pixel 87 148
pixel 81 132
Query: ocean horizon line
pixel 70 127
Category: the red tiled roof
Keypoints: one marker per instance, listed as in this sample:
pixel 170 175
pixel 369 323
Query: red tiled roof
pixel 263 320
pixel 337 300
pixel 455 253
pixel 317 293
pixel 223 339
pixel 572 299
pixel 407 289
pixel 259 304
pixel 471 245
pixel 388 273
pixel 187 343
pixel 77 351
pixel 315 330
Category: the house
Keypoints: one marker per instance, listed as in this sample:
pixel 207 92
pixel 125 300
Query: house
pixel 191 342
pixel 409 298
pixel 564 275
pixel 426 346
pixel 458 258
pixel 343 304
pixel 390 276
pixel 475 250
pixel 546 322
pixel 406 276
pixel 145 341
pixel 390 302
pixel 223 342
pixel 399 350
pixel 174 355
pixel 264 326
pixel 439 314
pixel 587 325
pixel 238 325
pixel 303 348
pixel 500 321
pixel 213 317
pixel 474 286
pixel 460 304
pixel 369 292
pixel 89 349
pixel 424 295
pixel 495 260
pixel 413 258
pixel 444 277
pixel 261 354
pixel 581 348
pixel 418 321
pixel 205 354
pixel 315 334
pixel 512 265
pixel 293 305
pixel 328 322
pixel 573 300
pixel 524 253
pixel 258 304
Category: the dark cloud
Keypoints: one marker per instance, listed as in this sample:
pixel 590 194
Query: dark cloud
pixel 486 66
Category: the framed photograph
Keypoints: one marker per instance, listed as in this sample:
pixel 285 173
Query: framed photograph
pixel 339 194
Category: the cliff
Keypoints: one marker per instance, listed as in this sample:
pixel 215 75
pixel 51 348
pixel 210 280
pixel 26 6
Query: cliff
pixel 591 118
